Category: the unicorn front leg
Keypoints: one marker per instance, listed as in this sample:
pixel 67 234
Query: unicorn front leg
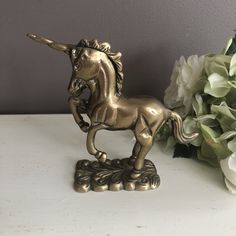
pixel 101 156
pixel 76 104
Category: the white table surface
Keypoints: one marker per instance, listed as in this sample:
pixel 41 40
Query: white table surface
pixel 38 154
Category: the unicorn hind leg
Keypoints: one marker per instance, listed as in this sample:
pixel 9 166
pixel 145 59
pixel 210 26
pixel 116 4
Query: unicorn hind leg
pixel 135 152
pixel 144 137
pixel 144 133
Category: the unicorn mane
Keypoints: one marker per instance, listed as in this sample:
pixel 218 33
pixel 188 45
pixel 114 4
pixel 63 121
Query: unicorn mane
pixel 115 58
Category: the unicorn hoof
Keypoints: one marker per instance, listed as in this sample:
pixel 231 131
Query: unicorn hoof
pixel 101 156
pixel 134 174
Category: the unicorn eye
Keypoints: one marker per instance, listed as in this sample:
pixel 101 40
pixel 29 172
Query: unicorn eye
pixel 74 52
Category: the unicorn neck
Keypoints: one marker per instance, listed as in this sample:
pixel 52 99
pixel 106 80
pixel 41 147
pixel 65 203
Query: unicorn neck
pixel 106 83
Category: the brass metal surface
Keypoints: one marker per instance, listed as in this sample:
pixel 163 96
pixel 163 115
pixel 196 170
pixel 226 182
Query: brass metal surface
pixel 95 67
pixel 113 175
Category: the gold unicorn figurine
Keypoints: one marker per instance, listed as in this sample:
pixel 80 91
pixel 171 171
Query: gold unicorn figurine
pixel 97 68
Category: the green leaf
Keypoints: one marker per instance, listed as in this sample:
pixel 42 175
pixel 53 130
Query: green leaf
pixel 215 101
pixel 199 106
pixel 217 146
pixel 227 135
pixel 229 43
pixel 232 67
pixel 209 134
pixel 232 84
pixel 217 64
pixel 208 120
pixel 225 115
pixel 222 109
pixel 217 86
pixel 232 145
pixel 231 98
pixel 231 47
pixel 205 153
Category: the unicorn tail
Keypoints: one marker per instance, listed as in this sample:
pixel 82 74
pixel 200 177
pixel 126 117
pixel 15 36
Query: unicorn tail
pixel 179 133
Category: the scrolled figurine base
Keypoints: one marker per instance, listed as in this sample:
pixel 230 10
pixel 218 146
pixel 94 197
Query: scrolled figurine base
pixel 113 175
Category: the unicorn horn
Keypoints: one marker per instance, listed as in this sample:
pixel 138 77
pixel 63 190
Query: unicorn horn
pixel 51 43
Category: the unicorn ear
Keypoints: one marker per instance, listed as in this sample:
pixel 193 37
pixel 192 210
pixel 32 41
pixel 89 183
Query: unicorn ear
pixel 115 56
pixel 94 44
pixel 83 43
pixel 106 47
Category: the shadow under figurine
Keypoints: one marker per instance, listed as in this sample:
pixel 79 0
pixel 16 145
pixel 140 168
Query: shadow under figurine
pixel 95 67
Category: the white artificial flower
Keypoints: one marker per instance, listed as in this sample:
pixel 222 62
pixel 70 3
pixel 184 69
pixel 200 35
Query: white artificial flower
pixel 185 82
pixel 228 167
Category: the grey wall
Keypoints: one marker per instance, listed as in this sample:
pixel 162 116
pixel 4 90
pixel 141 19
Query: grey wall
pixel 151 34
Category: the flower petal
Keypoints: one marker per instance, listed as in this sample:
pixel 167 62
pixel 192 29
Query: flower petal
pixel 186 80
pixel 217 86
pixel 231 187
pixel 232 145
pixel 228 167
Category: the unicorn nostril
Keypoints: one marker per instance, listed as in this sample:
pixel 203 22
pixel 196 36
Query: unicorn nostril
pixel 74 84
